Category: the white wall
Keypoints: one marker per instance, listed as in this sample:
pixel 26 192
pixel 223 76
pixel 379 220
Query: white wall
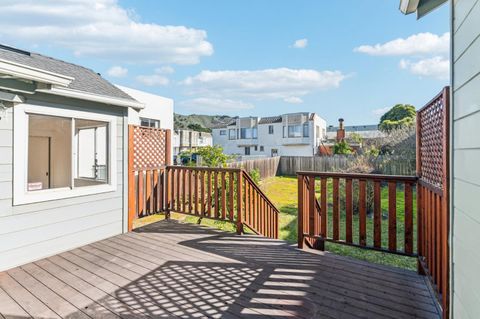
pixel 156 107
pixel 465 144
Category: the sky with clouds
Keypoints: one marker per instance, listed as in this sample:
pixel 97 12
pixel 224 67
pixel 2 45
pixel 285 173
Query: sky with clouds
pixel 351 58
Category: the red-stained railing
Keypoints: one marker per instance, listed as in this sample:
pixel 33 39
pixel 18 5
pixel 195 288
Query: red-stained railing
pixel 227 194
pixel 364 210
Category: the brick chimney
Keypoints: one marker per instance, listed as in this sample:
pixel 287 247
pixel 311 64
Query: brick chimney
pixel 340 130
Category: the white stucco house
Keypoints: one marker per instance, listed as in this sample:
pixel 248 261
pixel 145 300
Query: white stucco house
pixel 63 154
pixel 190 140
pixel 293 134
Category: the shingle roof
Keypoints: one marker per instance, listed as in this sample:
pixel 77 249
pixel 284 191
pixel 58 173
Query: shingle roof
pixel 85 80
pixel 270 119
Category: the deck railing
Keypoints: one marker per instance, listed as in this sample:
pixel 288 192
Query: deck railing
pixel 227 194
pixel 364 210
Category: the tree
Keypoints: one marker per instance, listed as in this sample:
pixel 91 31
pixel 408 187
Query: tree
pixel 342 148
pixel 401 115
pixel 213 156
pixel 198 128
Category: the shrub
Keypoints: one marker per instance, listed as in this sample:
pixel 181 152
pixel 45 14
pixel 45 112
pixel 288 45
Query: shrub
pixel 342 148
pixel 255 175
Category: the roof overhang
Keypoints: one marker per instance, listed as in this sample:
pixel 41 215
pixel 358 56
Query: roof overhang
pixel 20 71
pixel 421 7
pixel 66 92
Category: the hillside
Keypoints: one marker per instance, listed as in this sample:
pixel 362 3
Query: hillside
pixel 199 122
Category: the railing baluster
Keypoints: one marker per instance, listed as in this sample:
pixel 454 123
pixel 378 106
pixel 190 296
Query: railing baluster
pixel 377 214
pixel 231 196
pixel 362 212
pixel 156 196
pixel 336 210
pixel 239 202
pixel 348 210
pixel 202 193
pixel 301 210
pixel 408 218
pixel 148 191
pixel 195 193
pixel 392 216
pixel 177 195
pixel 324 208
pixel 224 199
pixel 215 185
pixel 209 193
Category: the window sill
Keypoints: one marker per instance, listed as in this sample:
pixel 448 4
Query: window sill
pixel 60 193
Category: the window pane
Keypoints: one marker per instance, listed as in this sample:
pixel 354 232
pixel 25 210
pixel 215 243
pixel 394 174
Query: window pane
pixel 294 131
pixel 92 153
pixel 232 134
pixel 305 130
pixel 49 152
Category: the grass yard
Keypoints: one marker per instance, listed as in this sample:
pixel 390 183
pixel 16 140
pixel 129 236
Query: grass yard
pixel 283 193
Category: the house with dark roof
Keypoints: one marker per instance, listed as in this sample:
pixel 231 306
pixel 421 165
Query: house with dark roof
pixel 63 156
pixel 293 134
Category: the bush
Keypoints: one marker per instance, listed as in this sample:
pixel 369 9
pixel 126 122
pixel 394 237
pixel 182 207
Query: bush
pixel 255 175
pixel 342 148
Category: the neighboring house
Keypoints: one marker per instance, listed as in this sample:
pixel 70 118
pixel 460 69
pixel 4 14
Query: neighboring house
pixel 295 134
pixel 157 111
pixel 366 132
pixel 189 140
pixel 464 152
pixel 63 155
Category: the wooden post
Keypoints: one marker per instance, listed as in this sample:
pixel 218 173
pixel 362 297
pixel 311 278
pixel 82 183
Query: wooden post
pixel 301 196
pixel 239 203
pixel 167 192
pixel 168 147
pixel 131 181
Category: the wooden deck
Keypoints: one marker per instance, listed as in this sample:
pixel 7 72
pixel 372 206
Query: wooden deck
pixel 169 270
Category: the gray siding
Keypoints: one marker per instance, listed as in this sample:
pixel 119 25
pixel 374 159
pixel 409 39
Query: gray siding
pixel 33 231
pixel 466 158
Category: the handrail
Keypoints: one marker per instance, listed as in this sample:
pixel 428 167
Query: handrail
pixel 258 189
pixel 401 178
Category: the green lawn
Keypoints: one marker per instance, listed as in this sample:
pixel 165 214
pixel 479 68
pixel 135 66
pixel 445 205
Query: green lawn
pixel 283 193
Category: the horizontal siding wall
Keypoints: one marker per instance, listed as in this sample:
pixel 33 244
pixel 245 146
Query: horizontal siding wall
pixel 466 158
pixel 33 231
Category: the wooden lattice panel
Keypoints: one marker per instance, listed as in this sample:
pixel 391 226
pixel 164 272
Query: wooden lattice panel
pixel 149 147
pixel 432 141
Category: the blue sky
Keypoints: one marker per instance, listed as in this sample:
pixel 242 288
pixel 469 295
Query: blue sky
pixel 239 57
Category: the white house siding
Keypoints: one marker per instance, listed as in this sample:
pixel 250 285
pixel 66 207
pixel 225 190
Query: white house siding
pixel 465 297
pixel 33 231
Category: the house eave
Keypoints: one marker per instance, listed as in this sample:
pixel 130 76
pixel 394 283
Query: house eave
pixel 66 92
pixel 20 71
pixel 421 7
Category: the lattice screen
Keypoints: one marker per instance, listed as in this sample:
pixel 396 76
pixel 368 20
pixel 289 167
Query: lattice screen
pixel 149 147
pixel 432 140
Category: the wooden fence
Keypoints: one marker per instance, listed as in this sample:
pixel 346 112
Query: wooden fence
pixel 385 164
pixel 268 167
pixel 433 199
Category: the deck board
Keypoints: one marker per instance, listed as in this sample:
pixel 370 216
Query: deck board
pixel 169 269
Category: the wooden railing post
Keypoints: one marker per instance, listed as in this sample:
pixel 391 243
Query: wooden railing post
pixel 168 147
pixel 301 196
pixel 239 203
pixel 131 181
pixel 167 192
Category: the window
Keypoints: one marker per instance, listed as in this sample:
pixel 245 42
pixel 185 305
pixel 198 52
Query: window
pixel 247 150
pixel 67 153
pixel 274 152
pixel 149 122
pixel 262 149
pixel 306 130
pixel 248 133
pixel 232 134
pixel 255 148
pixel 223 132
pixel 270 129
pixel 294 131
pixel 91 160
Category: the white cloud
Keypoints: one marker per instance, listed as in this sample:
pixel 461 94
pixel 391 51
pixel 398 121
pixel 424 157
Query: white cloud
pixel 300 43
pixel 421 43
pixel 436 67
pixel 153 80
pixel 117 71
pixel 102 29
pixel 165 70
pixel 282 83
pixel 293 100
pixel 381 111
pixel 214 105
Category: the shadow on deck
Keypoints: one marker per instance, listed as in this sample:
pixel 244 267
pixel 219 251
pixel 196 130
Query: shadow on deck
pixel 168 269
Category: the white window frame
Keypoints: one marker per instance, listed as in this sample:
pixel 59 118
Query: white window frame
pixel 20 156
